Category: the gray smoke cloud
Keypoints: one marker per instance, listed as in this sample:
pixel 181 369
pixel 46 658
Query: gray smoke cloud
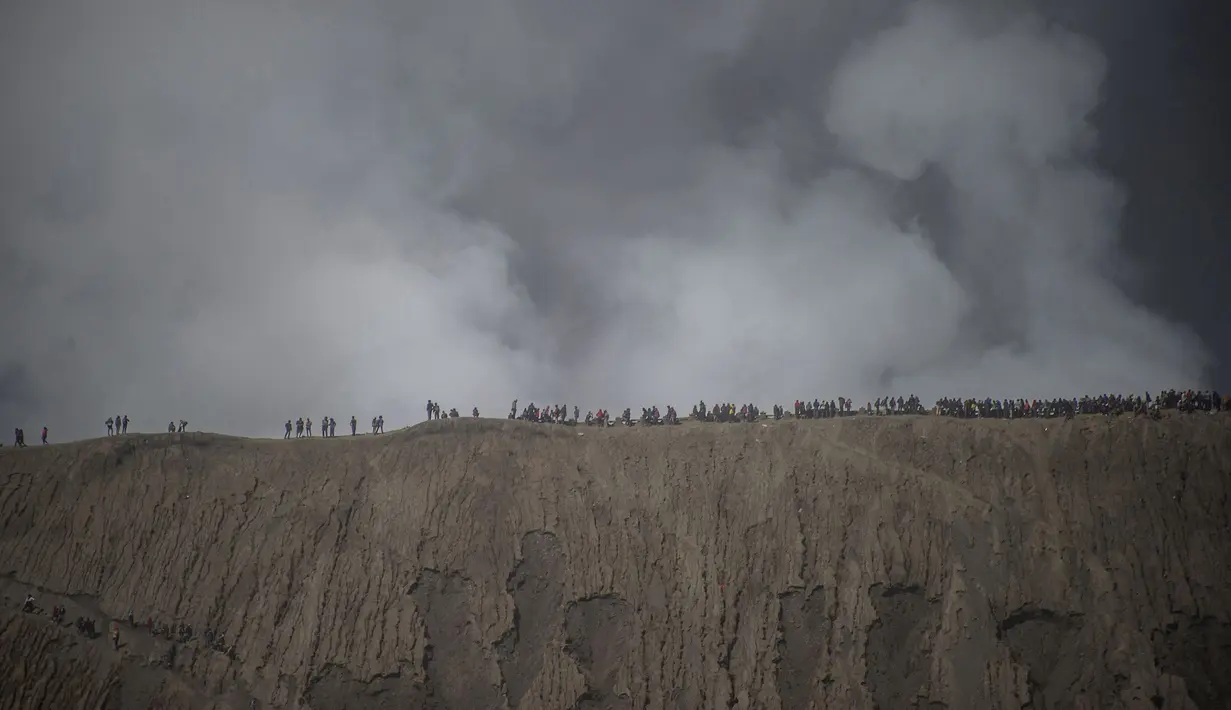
pixel 242 213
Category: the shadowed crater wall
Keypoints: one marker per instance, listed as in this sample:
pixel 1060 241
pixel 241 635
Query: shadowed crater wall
pixel 803 629
pixel 1198 650
pixel 537 588
pixel 1049 645
pixel 899 654
pixel 459 672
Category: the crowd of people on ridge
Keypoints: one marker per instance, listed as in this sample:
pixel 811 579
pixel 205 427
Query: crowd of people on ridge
pixel 1185 401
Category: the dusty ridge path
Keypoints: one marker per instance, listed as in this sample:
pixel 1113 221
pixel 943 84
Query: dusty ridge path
pixel 865 562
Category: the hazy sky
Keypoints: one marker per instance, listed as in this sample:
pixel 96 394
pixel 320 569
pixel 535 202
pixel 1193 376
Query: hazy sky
pixel 242 212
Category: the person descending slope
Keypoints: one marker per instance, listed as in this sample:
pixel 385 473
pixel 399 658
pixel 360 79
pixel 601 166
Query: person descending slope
pixel 288 429
pixel 353 424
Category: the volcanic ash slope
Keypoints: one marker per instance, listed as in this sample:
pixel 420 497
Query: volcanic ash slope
pixel 859 563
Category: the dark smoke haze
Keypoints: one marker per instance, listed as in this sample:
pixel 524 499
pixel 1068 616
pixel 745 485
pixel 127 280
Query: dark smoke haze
pixel 240 213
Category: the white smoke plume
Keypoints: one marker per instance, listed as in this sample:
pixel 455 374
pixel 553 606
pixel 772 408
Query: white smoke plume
pixel 243 214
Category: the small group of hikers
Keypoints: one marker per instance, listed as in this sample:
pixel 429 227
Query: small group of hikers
pixel 302 427
pixel 845 407
pixel 551 414
pixel 180 633
pixel 725 412
pixel 19 437
pixel 433 412
pixel 885 406
pixel 559 414
pixel 117 425
pixel 651 416
pixel 86 627
pixel 820 409
pixel 180 428
pixel 1193 401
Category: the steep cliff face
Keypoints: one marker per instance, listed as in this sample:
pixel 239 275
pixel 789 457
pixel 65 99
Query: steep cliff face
pixel 858 563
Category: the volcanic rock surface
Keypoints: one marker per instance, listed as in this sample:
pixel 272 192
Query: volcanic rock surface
pixel 897 562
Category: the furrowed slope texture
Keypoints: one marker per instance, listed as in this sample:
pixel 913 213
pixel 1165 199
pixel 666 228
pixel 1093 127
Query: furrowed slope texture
pixel 905 562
